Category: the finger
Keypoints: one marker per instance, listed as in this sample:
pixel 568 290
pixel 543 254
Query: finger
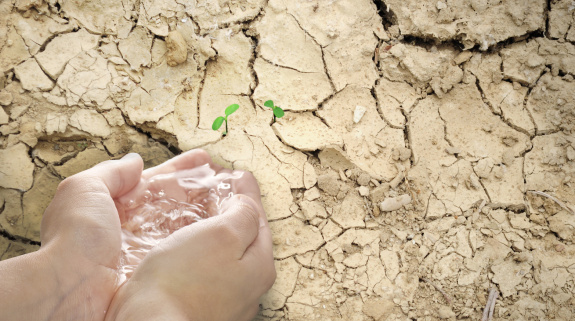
pixel 118 176
pixel 248 186
pixel 227 235
pixel 189 159
pixel 236 228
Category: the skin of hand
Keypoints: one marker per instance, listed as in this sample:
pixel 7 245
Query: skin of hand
pixel 73 275
pixel 214 269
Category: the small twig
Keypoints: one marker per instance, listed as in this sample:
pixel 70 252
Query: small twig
pixel 490 305
pixel 565 207
pixel 445 295
pixel 492 308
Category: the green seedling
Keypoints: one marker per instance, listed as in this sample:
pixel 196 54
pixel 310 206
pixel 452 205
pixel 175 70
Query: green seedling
pixel 278 112
pixel 220 120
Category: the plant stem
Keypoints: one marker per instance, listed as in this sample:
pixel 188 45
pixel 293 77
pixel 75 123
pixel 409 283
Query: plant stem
pixel 565 207
pixel 226 119
pixel 445 295
pixel 274 119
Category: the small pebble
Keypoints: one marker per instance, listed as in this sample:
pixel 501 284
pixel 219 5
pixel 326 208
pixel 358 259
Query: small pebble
pixel 5 98
pixel 342 176
pixel 358 113
pixel 394 203
pixel 376 211
pixel 363 190
pixel 363 179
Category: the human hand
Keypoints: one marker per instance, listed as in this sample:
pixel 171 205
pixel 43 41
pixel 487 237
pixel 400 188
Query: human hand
pixel 73 275
pixel 215 269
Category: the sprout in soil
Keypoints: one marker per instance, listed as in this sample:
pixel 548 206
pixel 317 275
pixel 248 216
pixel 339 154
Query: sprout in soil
pixel 220 120
pixel 278 112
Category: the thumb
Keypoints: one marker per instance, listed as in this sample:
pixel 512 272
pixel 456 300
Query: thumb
pixel 111 178
pixel 119 176
pixel 227 235
pixel 240 223
pixel 90 194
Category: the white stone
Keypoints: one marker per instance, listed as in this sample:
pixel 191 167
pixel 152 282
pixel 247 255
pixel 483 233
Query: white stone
pixel 363 190
pixel 358 113
pixel 394 203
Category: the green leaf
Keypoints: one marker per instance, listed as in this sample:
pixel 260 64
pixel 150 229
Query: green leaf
pixel 278 112
pixel 218 123
pixel 232 109
pixel 269 103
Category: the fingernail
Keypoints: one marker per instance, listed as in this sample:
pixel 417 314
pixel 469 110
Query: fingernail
pixel 130 156
pixel 248 201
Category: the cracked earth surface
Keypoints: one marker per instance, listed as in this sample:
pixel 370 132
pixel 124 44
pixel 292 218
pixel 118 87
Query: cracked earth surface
pixel 426 144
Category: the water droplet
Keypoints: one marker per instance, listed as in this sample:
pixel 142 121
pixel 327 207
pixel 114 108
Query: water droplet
pixel 161 193
pixel 223 185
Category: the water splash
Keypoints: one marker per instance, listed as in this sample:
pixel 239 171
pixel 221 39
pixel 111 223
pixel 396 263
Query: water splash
pixel 165 203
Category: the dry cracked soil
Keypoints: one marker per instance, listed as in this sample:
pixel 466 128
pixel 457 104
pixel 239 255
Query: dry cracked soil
pixel 427 153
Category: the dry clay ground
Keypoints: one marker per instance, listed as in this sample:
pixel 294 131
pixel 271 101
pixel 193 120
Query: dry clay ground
pixel 456 113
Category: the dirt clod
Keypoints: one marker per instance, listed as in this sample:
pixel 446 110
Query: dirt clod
pixel 177 48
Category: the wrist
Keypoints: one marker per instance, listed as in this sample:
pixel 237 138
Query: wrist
pixel 52 284
pixel 28 289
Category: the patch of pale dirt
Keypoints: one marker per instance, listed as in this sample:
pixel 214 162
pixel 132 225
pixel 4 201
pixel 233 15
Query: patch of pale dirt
pixel 475 22
pixel 427 153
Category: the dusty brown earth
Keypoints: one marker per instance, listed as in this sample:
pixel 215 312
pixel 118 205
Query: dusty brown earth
pixel 418 138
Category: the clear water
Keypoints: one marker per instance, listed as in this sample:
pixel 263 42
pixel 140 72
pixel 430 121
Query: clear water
pixel 165 203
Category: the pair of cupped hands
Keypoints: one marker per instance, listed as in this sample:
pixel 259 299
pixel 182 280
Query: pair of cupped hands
pixel 214 269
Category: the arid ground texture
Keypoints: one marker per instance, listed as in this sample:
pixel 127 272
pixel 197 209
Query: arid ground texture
pixel 426 156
